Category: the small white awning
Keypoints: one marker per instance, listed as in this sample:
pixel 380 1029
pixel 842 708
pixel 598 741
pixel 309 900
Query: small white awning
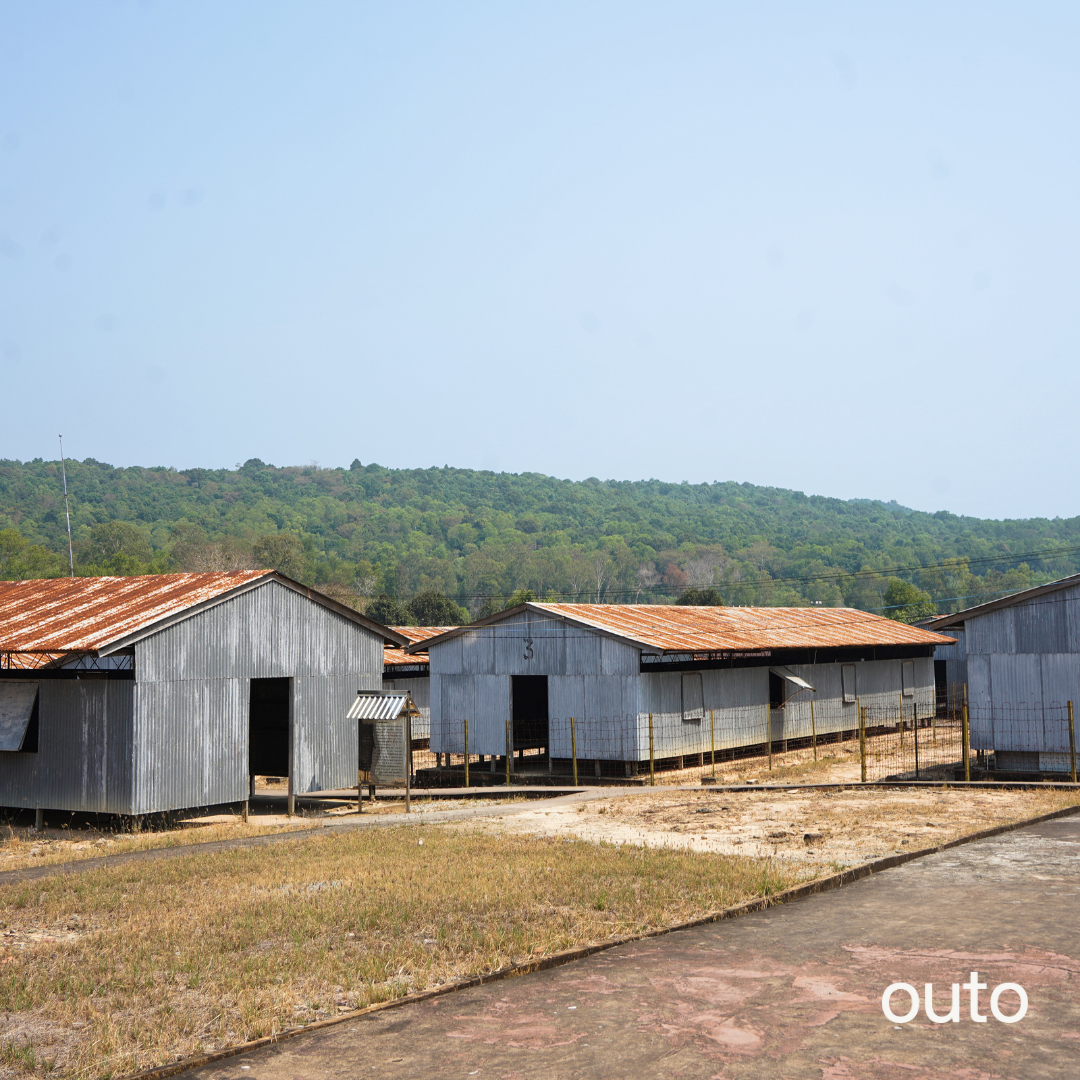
pixel 791 677
pixel 16 708
pixel 373 706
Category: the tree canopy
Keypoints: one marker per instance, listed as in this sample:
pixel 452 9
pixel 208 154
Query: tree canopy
pixel 479 538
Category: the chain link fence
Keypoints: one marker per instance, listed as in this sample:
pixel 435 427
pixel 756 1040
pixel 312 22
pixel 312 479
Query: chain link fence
pixel 899 740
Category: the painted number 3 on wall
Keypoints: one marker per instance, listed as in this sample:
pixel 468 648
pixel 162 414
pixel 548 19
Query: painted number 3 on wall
pixel 528 648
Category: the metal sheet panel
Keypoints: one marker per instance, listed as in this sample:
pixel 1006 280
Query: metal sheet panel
pixel 16 708
pixel 484 700
pixel 420 691
pixel 678 629
pixel 84 757
pixel 377 706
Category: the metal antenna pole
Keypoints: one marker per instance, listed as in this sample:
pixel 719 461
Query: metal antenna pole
pixel 67 509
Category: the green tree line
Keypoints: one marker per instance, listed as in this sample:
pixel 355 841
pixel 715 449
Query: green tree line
pixel 373 536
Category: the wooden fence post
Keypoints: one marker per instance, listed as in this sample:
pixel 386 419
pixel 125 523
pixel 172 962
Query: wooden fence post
pixel 1072 743
pixel 466 753
pixel 652 762
pixel 813 729
pixel 509 750
pixel 573 747
pixel 862 739
pixel 966 740
pixel 768 732
pixel 712 738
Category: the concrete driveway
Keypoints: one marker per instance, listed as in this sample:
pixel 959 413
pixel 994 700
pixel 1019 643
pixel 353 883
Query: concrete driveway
pixel 790 992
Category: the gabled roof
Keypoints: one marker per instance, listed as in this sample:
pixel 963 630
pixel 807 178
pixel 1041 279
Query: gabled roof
pixel 397 657
pixel 671 628
pixel 958 618
pixel 103 614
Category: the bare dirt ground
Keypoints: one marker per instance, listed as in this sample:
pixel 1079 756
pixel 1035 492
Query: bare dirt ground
pixel 818 830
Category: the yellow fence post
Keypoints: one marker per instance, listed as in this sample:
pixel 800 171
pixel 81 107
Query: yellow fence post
pixel 712 739
pixel 573 747
pixel 509 751
pixel 862 740
pixel 466 753
pixel 1072 743
pixel 768 732
pixel 966 739
pixel 813 729
pixel 652 763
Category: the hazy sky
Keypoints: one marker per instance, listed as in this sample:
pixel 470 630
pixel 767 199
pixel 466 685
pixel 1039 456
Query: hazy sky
pixel 832 247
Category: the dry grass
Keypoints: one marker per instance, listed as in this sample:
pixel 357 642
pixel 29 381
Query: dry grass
pixel 21 847
pixel 121 968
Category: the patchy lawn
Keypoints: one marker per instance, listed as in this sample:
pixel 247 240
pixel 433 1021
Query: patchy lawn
pixel 107 972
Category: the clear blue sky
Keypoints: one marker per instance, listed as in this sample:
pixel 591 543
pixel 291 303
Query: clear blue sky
pixel 832 247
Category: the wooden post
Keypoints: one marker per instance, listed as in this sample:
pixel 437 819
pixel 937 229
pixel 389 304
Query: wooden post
pixel 900 726
pixel 768 731
pixel 573 747
pixel 1072 743
pixel 813 729
pixel 292 749
pixel 652 761
pixel 966 732
pixel 39 820
pixel 466 753
pixel 915 735
pixel 244 811
pixel 712 738
pixel 509 750
pixel 408 754
pixel 862 739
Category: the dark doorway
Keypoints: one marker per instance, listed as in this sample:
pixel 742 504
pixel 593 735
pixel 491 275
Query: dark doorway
pixel 941 686
pixel 776 691
pixel 268 727
pixel 530 707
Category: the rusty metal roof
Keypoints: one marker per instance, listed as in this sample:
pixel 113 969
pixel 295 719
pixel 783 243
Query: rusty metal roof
pixel 671 628
pixel 66 615
pixel 395 657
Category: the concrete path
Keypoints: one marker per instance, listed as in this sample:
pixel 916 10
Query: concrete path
pixel 790 992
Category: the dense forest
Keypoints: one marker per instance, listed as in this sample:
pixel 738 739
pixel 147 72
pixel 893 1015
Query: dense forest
pixel 379 538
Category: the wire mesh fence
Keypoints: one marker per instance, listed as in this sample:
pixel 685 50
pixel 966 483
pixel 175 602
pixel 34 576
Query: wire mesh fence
pixel 639 747
pixel 895 739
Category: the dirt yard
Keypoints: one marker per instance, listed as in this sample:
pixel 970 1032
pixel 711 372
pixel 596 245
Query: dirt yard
pixel 817 830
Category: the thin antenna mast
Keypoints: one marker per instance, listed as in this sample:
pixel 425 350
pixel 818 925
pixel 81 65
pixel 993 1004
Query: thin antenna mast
pixel 67 509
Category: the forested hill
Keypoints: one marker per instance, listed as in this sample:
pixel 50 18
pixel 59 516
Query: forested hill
pixel 368 530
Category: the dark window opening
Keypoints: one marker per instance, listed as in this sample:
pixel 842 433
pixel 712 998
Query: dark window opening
pixel 530 711
pixel 776 690
pixel 30 739
pixel 268 727
pixel 941 684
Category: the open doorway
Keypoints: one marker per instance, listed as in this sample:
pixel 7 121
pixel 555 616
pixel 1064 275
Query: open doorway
pixel 530 712
pixel 268 727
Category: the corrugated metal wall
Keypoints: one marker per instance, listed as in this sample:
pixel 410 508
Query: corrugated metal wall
pixel 420 690
pixel 597 682
pixel 589 675
pixel 191 730
pixel 84 759
pixel 1023 664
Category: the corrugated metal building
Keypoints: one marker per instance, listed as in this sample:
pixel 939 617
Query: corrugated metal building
pixel 410 672
pixel 1022 657
pixel 609 666
pixel 143 694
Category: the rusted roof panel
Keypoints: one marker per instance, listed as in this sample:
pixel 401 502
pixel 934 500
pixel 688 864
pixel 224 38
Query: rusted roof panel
pixel 671 628
pixel 394 657
pixel 86 614
pixel 674 628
